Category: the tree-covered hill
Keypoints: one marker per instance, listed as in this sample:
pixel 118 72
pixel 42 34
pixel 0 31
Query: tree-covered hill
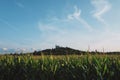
pixel 59 51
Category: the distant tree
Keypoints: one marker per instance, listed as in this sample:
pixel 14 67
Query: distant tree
pixel 56 46
pixel 35 52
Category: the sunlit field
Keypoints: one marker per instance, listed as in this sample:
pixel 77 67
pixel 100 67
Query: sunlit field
pixel 66 67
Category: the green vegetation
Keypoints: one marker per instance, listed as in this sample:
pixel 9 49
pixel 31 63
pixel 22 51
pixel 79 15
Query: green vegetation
pixel 67 67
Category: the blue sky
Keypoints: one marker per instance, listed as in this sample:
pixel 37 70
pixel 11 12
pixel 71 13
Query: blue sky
pixel 42 24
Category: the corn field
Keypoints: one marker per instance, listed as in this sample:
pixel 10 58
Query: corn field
pixel 71 67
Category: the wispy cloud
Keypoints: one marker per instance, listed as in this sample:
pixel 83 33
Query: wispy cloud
pixel 65 30
pixel 101 7
pixel 12 27
pixel 55 24
pixel 50 28
pixel 77 15
pixel 20 5
pixel 46 27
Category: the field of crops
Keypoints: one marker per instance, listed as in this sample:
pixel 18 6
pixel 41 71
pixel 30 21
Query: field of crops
pixel 70 67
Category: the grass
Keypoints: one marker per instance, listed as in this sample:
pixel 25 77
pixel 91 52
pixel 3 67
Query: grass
pixel 69 67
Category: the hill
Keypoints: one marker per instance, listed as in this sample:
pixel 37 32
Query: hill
pixel 59 51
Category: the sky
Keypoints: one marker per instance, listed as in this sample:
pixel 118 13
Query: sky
pixel 41 24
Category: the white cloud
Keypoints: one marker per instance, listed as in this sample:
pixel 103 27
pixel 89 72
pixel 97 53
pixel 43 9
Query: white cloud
pixel 101 7
pixel 4 49
pixel 77 12
pixel 77 15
